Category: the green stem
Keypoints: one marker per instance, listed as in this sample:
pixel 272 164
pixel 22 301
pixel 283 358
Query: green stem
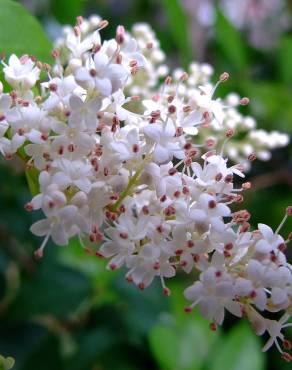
pixel 114 207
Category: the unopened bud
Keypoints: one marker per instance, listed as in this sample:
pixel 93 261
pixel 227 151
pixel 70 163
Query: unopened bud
pixel 252 157
pixel 79 20
pixel 28 207
pixel 102 24
pixel 184 77
pixel 168 80
pixel 213 326
pixel 224 77
pixel 246 185
pixel 77 31
pixel 287 344
pixel 39 253
pixel 120 35
pixel 166 291
pixel 289 210
pixel 229 133
pixel 172 109
pixel 286 356
pixel 244 101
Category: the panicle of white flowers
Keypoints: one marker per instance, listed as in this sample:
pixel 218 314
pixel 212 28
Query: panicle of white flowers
pixel 248 138
pixel 143 180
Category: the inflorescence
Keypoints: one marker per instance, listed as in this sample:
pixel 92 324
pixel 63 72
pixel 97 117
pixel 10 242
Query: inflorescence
pixel 138 170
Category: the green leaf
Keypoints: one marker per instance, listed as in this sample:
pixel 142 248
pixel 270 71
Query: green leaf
pixel 32 176
pixel 20 32
pixel 67 13
pixel 178 24
pixel 239 350
pixel 267 102
pixel 52 290
pixel 231 43
pixel 91 345
pixel 284 59
pixel 182 346
pixel 181 341
pixel 45 355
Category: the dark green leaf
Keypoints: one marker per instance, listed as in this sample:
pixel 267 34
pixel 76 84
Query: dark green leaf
pixel 91 345
pixel 45 356
pixel 53 289
pixel 66 12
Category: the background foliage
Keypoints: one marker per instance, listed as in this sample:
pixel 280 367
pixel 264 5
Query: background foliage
pixel 66 311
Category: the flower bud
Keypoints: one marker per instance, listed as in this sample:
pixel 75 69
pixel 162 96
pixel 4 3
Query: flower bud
pixel 120 35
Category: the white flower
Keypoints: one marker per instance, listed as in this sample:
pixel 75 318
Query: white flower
pixel 163 182
pixel 60 226
pixel 72 140
pixel 28 123
pixel 39 154
pixel 50 196
pixel 72 173
pixel 61 90
pixel 118 99
pixel 208 211
pixel 83 113
pixel 274 329
pixel 78 47
pixel 166 145
pixel 130 51
pixel 21 73
pixel 104 76
pixel 147 264
pixel 128 147
pixel 205 102
pixel 269 241
pixel 214 293
pixel 5 104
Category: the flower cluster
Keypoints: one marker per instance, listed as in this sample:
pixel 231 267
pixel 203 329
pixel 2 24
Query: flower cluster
pixel 247 139
pixel 132 178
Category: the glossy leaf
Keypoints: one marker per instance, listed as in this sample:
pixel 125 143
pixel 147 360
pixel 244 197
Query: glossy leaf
pixel 20 32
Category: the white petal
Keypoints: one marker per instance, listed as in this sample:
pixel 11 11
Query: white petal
pixel 266 231
pixel 279 296
pixel 41 228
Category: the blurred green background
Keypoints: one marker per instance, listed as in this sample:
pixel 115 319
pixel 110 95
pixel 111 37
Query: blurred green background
pixel 66 312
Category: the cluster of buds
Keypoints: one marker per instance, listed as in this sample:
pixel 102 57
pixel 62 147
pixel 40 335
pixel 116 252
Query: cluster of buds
pixel 129 176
